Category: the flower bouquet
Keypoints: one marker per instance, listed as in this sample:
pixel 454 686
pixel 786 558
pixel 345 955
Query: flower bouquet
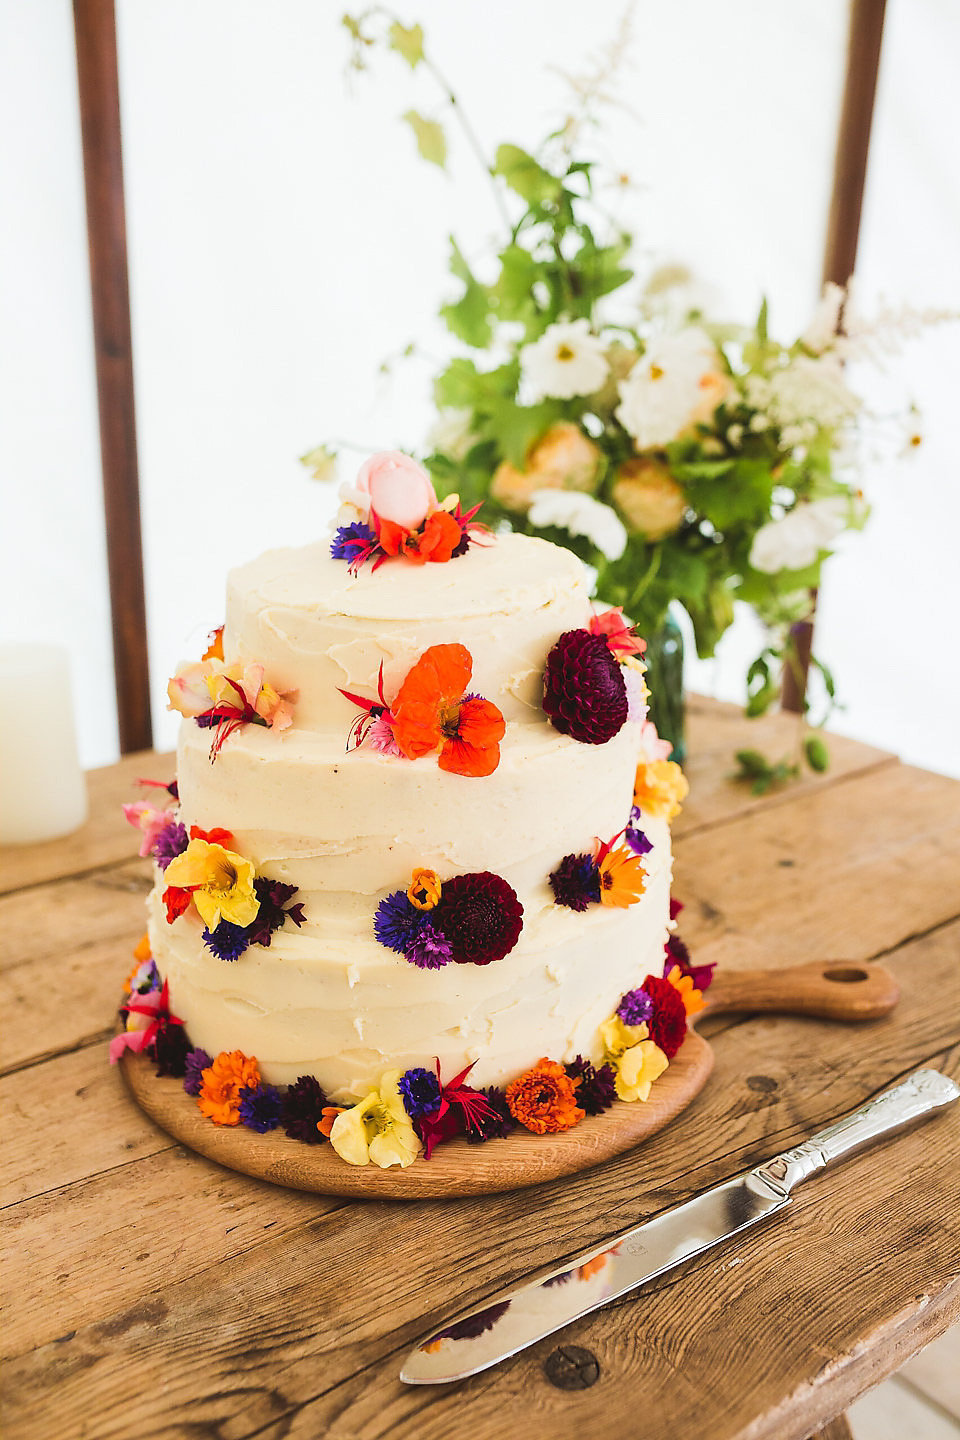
pixel 692 464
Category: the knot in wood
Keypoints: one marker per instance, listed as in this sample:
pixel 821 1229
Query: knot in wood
pixel 571 1367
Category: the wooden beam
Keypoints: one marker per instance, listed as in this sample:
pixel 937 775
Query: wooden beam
pixel 843 225
pixel 96 43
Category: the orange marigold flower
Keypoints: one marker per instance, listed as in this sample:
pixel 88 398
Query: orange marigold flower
pixel 329 1114
pixel 692 998
pixel 544 1099
pixel 431 713
pixel 142 951
pixel 219 1097
pixel 622 878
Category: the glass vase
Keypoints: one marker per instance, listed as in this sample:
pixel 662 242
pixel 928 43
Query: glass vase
pixel 664 657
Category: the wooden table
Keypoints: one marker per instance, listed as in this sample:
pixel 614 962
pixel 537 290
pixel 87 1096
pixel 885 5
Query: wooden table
pixel 151 1293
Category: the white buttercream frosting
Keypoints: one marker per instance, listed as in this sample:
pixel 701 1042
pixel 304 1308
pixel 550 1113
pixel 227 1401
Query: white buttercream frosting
pixel 348 828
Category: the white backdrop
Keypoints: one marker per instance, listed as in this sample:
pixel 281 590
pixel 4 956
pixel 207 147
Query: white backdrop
pixel 284 239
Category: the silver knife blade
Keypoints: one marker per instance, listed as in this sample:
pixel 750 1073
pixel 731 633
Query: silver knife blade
pixel 519 1317
pixel 537 1308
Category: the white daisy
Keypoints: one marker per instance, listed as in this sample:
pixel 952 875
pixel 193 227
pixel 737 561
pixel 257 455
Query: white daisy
pixel 566 361
pixel 663 390
pixel 581 515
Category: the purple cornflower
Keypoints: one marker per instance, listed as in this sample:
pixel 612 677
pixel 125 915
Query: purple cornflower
pixel 421 1092
pixel 398 922
pixel 350 541
pixel 576 882
pixel 227 941
pixel 429 948
pixel 261 1108
pixel 196 1062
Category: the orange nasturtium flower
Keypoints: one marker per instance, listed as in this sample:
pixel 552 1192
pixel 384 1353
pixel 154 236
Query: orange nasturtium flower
pixel 693 1001
pixel 430 713
pixel 435 541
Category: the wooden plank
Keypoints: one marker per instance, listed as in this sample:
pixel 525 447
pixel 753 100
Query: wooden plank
pixel 58 1245
pixel 716 731
pixel 261 1337
pixel 69 952
pixel 105 839
pixel 98 86
pixel 842 873
pixel 67 1119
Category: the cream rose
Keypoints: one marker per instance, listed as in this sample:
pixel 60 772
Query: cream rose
pixel 562 459
pixel 648 497
pixel 400 490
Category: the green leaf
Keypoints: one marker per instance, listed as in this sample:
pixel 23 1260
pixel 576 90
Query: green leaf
pixel 463 387
pixel 431 141
pixel 741 495
pixel 702 470
pixel 518 271
pixel 818 756
pixel 762 322
pixel 467 317
pixel 752 763
pixel 518 427
pixel 525 176
pixel 407 41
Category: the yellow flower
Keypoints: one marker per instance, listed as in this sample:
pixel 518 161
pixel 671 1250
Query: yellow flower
pixel 618 1037
pixel 378 1128
pixel 425 889
pixel 659 787
pixel 633 1055
pixel 693 1000
pixel 637 1069
pixel 648 498
pixel 222 883
pixel 562 459
pixel 622 878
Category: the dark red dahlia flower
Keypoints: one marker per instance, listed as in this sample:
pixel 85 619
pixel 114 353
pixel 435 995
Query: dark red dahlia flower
pixel 668 1023
pixel 584 694
pixel 480 915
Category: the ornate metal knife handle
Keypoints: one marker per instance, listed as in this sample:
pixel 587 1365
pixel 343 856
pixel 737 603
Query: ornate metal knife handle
pixel 924 1092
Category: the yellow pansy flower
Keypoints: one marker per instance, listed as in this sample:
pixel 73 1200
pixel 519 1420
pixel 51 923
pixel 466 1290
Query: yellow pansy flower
pixel 637 1069
pixel 618 1037
pixel 221 881
pixel 377 1129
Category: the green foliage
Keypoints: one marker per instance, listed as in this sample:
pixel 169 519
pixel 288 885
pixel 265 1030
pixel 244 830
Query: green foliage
pixel 407 41
pixel 468 318
pixel 761 774
pixel 526 177
pixel 816 753
pixel 431 141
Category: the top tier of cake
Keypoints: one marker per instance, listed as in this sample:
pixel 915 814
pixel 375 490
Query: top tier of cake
pixel 317 629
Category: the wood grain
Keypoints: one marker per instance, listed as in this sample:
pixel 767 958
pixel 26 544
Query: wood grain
pixel 105 839
pixel 411 1266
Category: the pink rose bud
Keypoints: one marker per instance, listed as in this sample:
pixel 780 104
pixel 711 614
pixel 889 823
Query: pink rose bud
pixel 400 490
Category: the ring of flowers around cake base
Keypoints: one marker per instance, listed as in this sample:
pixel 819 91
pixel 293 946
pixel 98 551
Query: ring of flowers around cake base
pixel 414 1111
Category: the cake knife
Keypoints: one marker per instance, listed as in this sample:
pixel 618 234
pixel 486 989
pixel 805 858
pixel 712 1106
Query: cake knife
pixel 519 1317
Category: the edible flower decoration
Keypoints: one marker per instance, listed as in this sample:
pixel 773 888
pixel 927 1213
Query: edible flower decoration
pixel 162 835
pixel 471 919
pixel 223 698
pixel 377 1129
pixel 223 1085
pixel 612 875
pixel 544 1098
pixel 146 1017
pixel 393 511
pixel 432 714
pixel 676 955
pixel 439 1111
pixel 660 785
pixel 636 1059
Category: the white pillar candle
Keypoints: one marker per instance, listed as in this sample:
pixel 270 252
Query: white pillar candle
pixel 43 791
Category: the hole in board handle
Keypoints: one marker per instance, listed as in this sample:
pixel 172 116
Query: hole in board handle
pixel 846 974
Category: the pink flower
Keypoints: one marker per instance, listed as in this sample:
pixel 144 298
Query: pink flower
pixel 652 748
pixel 146 1016
pixel 620 636
pixel 380 736
pixel 187 691
pixel 400 490
pixel 144 817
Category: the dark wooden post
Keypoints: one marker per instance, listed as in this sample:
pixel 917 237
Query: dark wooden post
pixel 843 223
pixel 96 41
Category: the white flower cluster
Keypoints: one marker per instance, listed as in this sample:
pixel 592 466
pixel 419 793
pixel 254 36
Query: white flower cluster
pixel 801 397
